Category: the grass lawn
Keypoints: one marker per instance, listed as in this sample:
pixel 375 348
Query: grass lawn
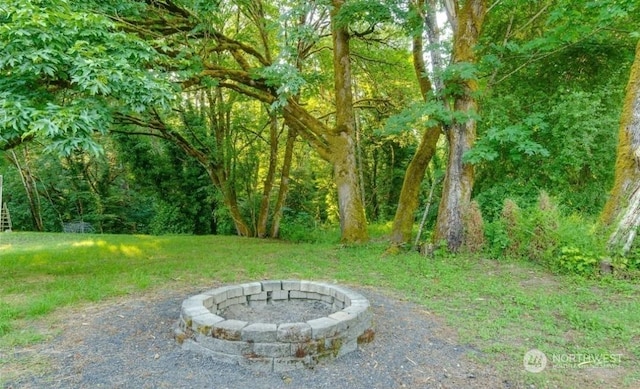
pixel 502 308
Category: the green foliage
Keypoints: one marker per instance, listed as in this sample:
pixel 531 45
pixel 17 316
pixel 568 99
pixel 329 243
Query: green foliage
pixel 497 238
pixel 541 226
pixel 455 77
pixel 286 78
pixel 290 31
pixel 301 227
pixel 555 87
pixel 181 200
pixel 222 220
pixel 580 150
pixel 412 116
pixel 134 186
pixel 168 219
pixel 61 69
pixel 563 243
pixel 369 13
pixel 574 261
pixel 572 140
pixel 515 141
pixel 424 114
pixel 628 265
pixel 553 71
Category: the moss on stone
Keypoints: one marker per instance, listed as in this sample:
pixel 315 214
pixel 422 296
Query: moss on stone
pixel 367 336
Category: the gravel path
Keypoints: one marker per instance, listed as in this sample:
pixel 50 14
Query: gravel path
pixel 129 344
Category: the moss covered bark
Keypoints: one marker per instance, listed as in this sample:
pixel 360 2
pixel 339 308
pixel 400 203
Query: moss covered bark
pixel 623 206
pixel 409 195
pixel 353 222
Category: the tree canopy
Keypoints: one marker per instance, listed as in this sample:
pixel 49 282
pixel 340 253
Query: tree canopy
pixel 66 72
pixel 247 116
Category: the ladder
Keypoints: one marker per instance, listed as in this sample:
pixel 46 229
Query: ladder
pixel 5 219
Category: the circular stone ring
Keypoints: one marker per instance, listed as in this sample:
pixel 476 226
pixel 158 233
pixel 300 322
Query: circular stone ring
pixel 270 346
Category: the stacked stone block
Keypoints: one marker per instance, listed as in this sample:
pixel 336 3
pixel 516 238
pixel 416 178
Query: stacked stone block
pixel 274 346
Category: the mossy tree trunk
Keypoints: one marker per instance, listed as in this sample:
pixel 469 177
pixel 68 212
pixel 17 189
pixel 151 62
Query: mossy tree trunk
pixel 353 222
pixel 458 181
pixel 623 207
pixel 409 195
pixel 263 216
pixel 284 183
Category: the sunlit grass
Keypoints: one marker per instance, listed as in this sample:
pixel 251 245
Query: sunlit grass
pixel 501 308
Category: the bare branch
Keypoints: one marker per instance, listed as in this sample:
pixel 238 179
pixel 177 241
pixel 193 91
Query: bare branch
pixel 241 46
pixel 533 18
pixel 370 30
pixel 374 60
pixel 172 7
pixel 545 55
pixel 256 94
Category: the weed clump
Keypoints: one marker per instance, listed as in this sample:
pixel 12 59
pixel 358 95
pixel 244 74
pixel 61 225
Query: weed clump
pixel 544 222
pixel 542 234
pixel 300 352
pixel 473 229
pixel 367 336
pixel 510 218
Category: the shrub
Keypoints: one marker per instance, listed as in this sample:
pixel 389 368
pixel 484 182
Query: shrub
pixel 497 238
pixel 575 261
pixel 628 266
pixel 169 220
pixel 222 220
pixel 303 227
pixel 530 234
pixel 567 244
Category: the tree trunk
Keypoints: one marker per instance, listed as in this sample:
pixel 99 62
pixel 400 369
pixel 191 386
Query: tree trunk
pixel 219 164
pixel 284 183
pixel 353 223
pixel 218 178
pixel 433 35
pixel 623 207
pixel 263 216
pixel 30 187
pixel 409 195
pixel 458 182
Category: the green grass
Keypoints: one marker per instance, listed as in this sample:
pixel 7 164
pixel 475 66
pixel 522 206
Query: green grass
pixel 501 308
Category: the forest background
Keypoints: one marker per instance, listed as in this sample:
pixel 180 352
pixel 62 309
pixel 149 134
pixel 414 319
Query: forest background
pixel 496 124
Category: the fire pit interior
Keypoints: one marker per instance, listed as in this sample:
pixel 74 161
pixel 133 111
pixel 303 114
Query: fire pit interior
pixel 275 325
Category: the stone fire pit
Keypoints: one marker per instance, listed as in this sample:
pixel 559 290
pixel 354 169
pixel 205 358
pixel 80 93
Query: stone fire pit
pixel 275 325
